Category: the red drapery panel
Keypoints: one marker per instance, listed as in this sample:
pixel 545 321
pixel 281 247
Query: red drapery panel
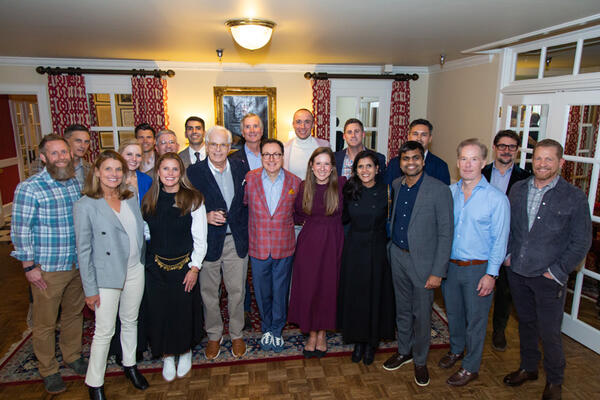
pixel 571 141
pixel 69 105
pixel 149 96
pixel 399 116
pixel 320 103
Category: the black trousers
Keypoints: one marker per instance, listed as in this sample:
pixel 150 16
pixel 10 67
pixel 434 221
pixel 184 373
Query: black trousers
pixel 540 303
pixel 502 301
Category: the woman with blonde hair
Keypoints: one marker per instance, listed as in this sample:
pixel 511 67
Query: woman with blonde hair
pixel 176 218
pixel 110 250
pixel 137 181
pixel 318 254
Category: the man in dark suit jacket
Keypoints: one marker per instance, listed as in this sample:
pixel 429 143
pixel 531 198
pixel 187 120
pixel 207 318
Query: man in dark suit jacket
pixel 420 130
pixel 354 133
pixel 196 150
pixel 550 235
pixel 221 183
pixel 422 230
pixel 503 173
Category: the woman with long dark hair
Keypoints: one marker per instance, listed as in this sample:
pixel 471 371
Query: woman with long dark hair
pixel 366 295
pixel 318 254
pixel 176 217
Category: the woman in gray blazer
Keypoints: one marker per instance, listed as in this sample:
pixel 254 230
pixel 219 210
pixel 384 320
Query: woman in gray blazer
pixel 110 240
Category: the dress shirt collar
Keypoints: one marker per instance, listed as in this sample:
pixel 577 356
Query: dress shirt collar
pixel 280 176
pixel 508 171
pixel 550 185
pixel 216 170
pixel 202 152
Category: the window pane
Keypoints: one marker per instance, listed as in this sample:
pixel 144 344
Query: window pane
pixel 590 57
pixel 535 126
pixel 100 114
pixel 369 107
pixel 578 174
pixel 124 109
pixel 582 130
pixel 528 64
pixel 370 140
pixel 560 59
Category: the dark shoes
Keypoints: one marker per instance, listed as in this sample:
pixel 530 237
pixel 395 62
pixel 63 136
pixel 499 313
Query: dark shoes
pixel 359 351
pixel 450 359
pixel 79 366
pixel 54 384
pixel 519 377
pixel 552 392
pixel 309 353
pixel 136 378
pixel 247 321
pixel 462 377
pixel 396 361
pixel 369 355
pixel 498 341
pixel 96 393
pixel 421 375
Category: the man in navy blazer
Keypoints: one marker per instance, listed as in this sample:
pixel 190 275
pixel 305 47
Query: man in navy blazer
pixel 503 173
pixel 354 133
pixel 221 182
pixel 420 130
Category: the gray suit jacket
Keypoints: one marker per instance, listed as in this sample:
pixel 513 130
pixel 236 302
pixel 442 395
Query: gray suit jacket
pixel 102 243
pixel 431 228
pixel 185 157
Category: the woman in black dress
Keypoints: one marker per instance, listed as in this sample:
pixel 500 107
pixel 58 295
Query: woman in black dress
pixel 176 216
pixel 366 295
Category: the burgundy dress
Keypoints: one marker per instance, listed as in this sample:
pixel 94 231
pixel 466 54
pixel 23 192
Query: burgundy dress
pixel 317 261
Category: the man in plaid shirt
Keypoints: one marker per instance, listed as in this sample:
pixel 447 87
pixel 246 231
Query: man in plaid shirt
pixel 44 239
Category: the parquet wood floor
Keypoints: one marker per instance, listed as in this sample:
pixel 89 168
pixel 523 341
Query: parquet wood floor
pixel 328 378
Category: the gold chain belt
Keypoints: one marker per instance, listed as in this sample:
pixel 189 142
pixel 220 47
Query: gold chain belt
pixel 167 263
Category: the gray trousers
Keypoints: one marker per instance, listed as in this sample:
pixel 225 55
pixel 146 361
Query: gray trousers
pixel 234 271
pixel 413 307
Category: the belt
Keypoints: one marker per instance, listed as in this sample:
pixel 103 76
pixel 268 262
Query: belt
pixel 462 263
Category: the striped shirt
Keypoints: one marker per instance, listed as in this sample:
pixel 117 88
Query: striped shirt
pixel 42 227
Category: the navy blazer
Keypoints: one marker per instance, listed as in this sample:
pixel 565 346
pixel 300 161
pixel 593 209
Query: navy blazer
pixel 240 155
pixel 516 175
pixel 434 166
pixel 237 216
pixel 339 162
pixel 144 182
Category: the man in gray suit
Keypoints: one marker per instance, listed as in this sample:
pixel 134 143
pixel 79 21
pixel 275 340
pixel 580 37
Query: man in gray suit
pixel 196 150
pixel 422 228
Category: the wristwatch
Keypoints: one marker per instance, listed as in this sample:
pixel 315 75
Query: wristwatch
pixel 493 276
pixel 31 267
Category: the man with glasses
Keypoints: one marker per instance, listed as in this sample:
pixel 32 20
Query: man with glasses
pixel 194 132
pixel 270 195
pixel 503 173
pixel 166 142
pixel 221 182
pixel 354 134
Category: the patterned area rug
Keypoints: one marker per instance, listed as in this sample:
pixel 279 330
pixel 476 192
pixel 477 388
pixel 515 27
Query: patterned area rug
pixel 19 365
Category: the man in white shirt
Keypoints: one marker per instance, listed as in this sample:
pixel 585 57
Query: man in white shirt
pixel 194 132
pixel 298 150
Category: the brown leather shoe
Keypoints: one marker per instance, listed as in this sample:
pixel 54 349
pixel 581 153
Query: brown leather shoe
pixel 519 377
pixel 238 348
pixel 396 361
pixel 421 375
pixel 450 359
pixel 462 377
pixel 552 391
pixel 213 349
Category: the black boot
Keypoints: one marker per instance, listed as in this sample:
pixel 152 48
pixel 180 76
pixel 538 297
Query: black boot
pixel 136 378
pixel 96 393
pixel 369 354
pixel 359 350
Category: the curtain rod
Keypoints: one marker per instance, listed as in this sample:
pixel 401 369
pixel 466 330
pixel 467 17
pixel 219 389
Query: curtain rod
pixel 325 75
pixel 79 71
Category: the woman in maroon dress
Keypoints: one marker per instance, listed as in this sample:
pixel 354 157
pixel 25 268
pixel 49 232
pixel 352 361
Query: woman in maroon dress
pixel 318 251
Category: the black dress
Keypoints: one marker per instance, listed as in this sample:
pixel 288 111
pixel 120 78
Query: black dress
pixel 366 311
pixel 175 318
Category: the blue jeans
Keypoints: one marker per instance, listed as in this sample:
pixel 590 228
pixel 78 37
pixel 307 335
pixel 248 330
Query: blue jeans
pixel 271 281
pixel 467 312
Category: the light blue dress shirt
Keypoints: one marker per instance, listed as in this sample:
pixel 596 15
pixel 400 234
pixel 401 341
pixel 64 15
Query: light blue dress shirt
pixel 253 161
pixel 272 189
pixel 481 224
pixel 498 180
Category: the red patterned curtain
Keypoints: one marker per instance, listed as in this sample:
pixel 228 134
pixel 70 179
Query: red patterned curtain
pixel 149 96
pixel 399 116
pixel 320 103
pixel 571 141
pixel 69 105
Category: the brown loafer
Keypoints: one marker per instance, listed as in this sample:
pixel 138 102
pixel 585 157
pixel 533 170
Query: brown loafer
pixel 552 391
pixel 421 375
pixel 519 377
pixel 396 361
pixel 238 348
pixel 462 377
pixel 450 359
pixel 213 349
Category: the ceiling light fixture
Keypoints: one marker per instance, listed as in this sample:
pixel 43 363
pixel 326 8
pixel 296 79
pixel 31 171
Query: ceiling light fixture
pixel 251 33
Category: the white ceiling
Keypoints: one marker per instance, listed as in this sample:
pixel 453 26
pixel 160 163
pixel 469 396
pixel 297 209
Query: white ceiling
pixel 399 32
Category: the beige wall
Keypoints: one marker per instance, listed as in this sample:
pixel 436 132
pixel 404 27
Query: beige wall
pixel 461 105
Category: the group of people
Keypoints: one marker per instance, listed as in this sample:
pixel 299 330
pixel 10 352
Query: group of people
pixel 146 235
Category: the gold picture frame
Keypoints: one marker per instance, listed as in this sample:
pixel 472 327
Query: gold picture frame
pixel 107 140
pixel 232 103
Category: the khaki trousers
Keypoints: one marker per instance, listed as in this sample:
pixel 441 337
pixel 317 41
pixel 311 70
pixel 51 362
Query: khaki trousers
pixel 64 291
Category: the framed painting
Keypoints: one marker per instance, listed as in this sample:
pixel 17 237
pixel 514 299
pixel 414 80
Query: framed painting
pixel 232 103
pixel 107 140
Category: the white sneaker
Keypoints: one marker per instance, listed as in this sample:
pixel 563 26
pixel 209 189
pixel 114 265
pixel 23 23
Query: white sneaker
pixel 266 342
pixel 168 371
pixel 184 365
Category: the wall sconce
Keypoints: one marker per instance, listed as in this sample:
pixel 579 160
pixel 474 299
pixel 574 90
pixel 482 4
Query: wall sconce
pixel 442 60
pixel 251 33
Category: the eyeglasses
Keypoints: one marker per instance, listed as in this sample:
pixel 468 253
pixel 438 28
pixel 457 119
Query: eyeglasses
pixel 274 156
pixel 218 146
pixel 511 147
pixel 163 142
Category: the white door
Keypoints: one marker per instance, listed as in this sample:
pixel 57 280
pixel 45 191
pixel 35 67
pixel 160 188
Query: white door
pixel 572 119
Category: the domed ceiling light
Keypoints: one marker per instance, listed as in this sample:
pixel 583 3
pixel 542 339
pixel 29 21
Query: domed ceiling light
pixel 251 33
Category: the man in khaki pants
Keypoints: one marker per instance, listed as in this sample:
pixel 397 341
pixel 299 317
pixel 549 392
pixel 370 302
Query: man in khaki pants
pixel 43 235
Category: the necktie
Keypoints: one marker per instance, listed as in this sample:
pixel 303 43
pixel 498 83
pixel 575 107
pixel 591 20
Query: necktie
pixel 197 154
